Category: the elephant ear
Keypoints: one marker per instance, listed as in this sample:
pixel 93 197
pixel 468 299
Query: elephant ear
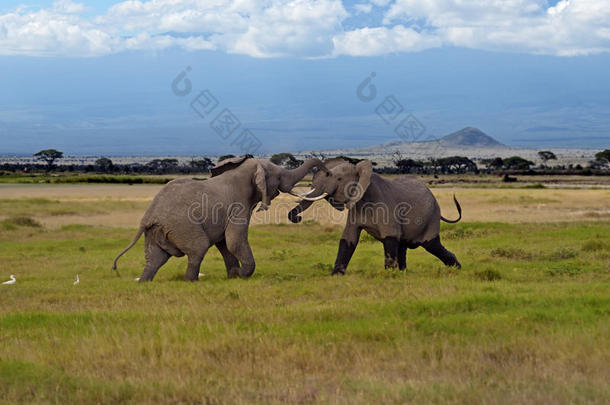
pixel 261 185
pixel 228 164
pixel 365 171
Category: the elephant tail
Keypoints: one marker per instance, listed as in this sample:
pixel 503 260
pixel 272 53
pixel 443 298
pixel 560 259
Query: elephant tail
pixel 135 240
pixel 457 204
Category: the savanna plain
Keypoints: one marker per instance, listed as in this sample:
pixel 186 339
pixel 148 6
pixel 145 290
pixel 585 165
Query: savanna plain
pixel 526 320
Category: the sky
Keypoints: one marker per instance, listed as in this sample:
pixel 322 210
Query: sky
pixel 193 77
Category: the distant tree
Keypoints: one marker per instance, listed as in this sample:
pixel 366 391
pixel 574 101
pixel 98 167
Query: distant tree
pixel 286 159
pixel 494 164
pixel 104 164
pixel 49 156
pixel 204 164
pixel 546 155
pixel 603 156
pixel 280 158
pixel 163 165
pixel 517 163
pixel 455 164
pixel 224 157
pixel 316 155
pixel 409 166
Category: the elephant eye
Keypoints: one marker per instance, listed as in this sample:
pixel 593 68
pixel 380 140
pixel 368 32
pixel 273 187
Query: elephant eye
pixel 339 179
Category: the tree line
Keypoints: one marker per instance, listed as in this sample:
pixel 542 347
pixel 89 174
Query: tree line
pixel 401 164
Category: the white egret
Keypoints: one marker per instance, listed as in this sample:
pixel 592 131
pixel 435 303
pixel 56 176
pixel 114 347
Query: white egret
pixel 13 280
pixel 77 280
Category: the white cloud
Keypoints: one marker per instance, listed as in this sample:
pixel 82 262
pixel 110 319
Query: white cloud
pixel 52 32
pixel 363 8
pixel 571 27
pixel 381 40
pixel 309 28
pixel 300 27
pixel 68 7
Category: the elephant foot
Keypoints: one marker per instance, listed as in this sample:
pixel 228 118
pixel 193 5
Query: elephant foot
pixel 339 272
pixel 452 261
pixel 391 265
pixel 233 273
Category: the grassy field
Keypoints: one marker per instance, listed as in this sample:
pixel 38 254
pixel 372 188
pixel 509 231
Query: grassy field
pixel 527 319
pixel 81 178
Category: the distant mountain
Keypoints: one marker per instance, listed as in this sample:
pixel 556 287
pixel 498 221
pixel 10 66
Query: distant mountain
pixel 472 138
pixel 469 141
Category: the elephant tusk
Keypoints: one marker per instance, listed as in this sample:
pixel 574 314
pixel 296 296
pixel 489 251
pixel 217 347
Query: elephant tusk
pixel 307 193
pixel 323 195
pixel 303 194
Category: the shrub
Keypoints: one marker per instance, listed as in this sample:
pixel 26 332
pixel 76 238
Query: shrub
pixel 593 246
pixel 488 275
pixel 21 221
pixel 564 270
pixel 511 253
pixel 563 253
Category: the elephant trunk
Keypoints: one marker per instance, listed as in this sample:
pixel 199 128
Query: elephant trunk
pixel 291 177
pixel 246 270
pixel 294 216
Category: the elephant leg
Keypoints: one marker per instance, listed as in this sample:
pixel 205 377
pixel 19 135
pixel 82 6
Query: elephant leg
pixel 347 246
pixel 193 267
pixel 155 258
pixel 390 248
pixel 238 246
pixel 193 242
pixel 437 249
pixel 402 256
pixel 231 262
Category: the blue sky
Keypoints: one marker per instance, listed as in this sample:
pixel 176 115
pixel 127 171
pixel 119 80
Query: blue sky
pixel 96 77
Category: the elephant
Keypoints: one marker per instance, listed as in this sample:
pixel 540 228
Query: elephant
pixel 188 216
pixel 402 213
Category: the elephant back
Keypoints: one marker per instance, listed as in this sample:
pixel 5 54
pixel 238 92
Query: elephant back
pixel 228 164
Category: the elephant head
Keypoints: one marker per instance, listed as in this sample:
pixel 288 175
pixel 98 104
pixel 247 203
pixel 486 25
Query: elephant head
pixel 268 178
pixel 342 185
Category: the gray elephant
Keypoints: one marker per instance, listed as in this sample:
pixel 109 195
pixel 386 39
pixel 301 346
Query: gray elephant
pixel 188 216
pixel 401 213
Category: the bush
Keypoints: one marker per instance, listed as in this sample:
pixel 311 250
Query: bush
pixel 564 270
pixel 593 246
pixel 563 253
pixel 511 253
pixel 488 275
pixel 12 223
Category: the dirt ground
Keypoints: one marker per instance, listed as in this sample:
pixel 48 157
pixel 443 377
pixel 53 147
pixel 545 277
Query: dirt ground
pixel 478 205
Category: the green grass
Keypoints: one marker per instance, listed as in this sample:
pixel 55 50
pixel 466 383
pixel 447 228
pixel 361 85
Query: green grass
pixel 527 320
pixel 82 178
pixel 53 207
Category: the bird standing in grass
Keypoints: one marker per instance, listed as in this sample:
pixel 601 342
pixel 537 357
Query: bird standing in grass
pixel 77 280
pixel 13 280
